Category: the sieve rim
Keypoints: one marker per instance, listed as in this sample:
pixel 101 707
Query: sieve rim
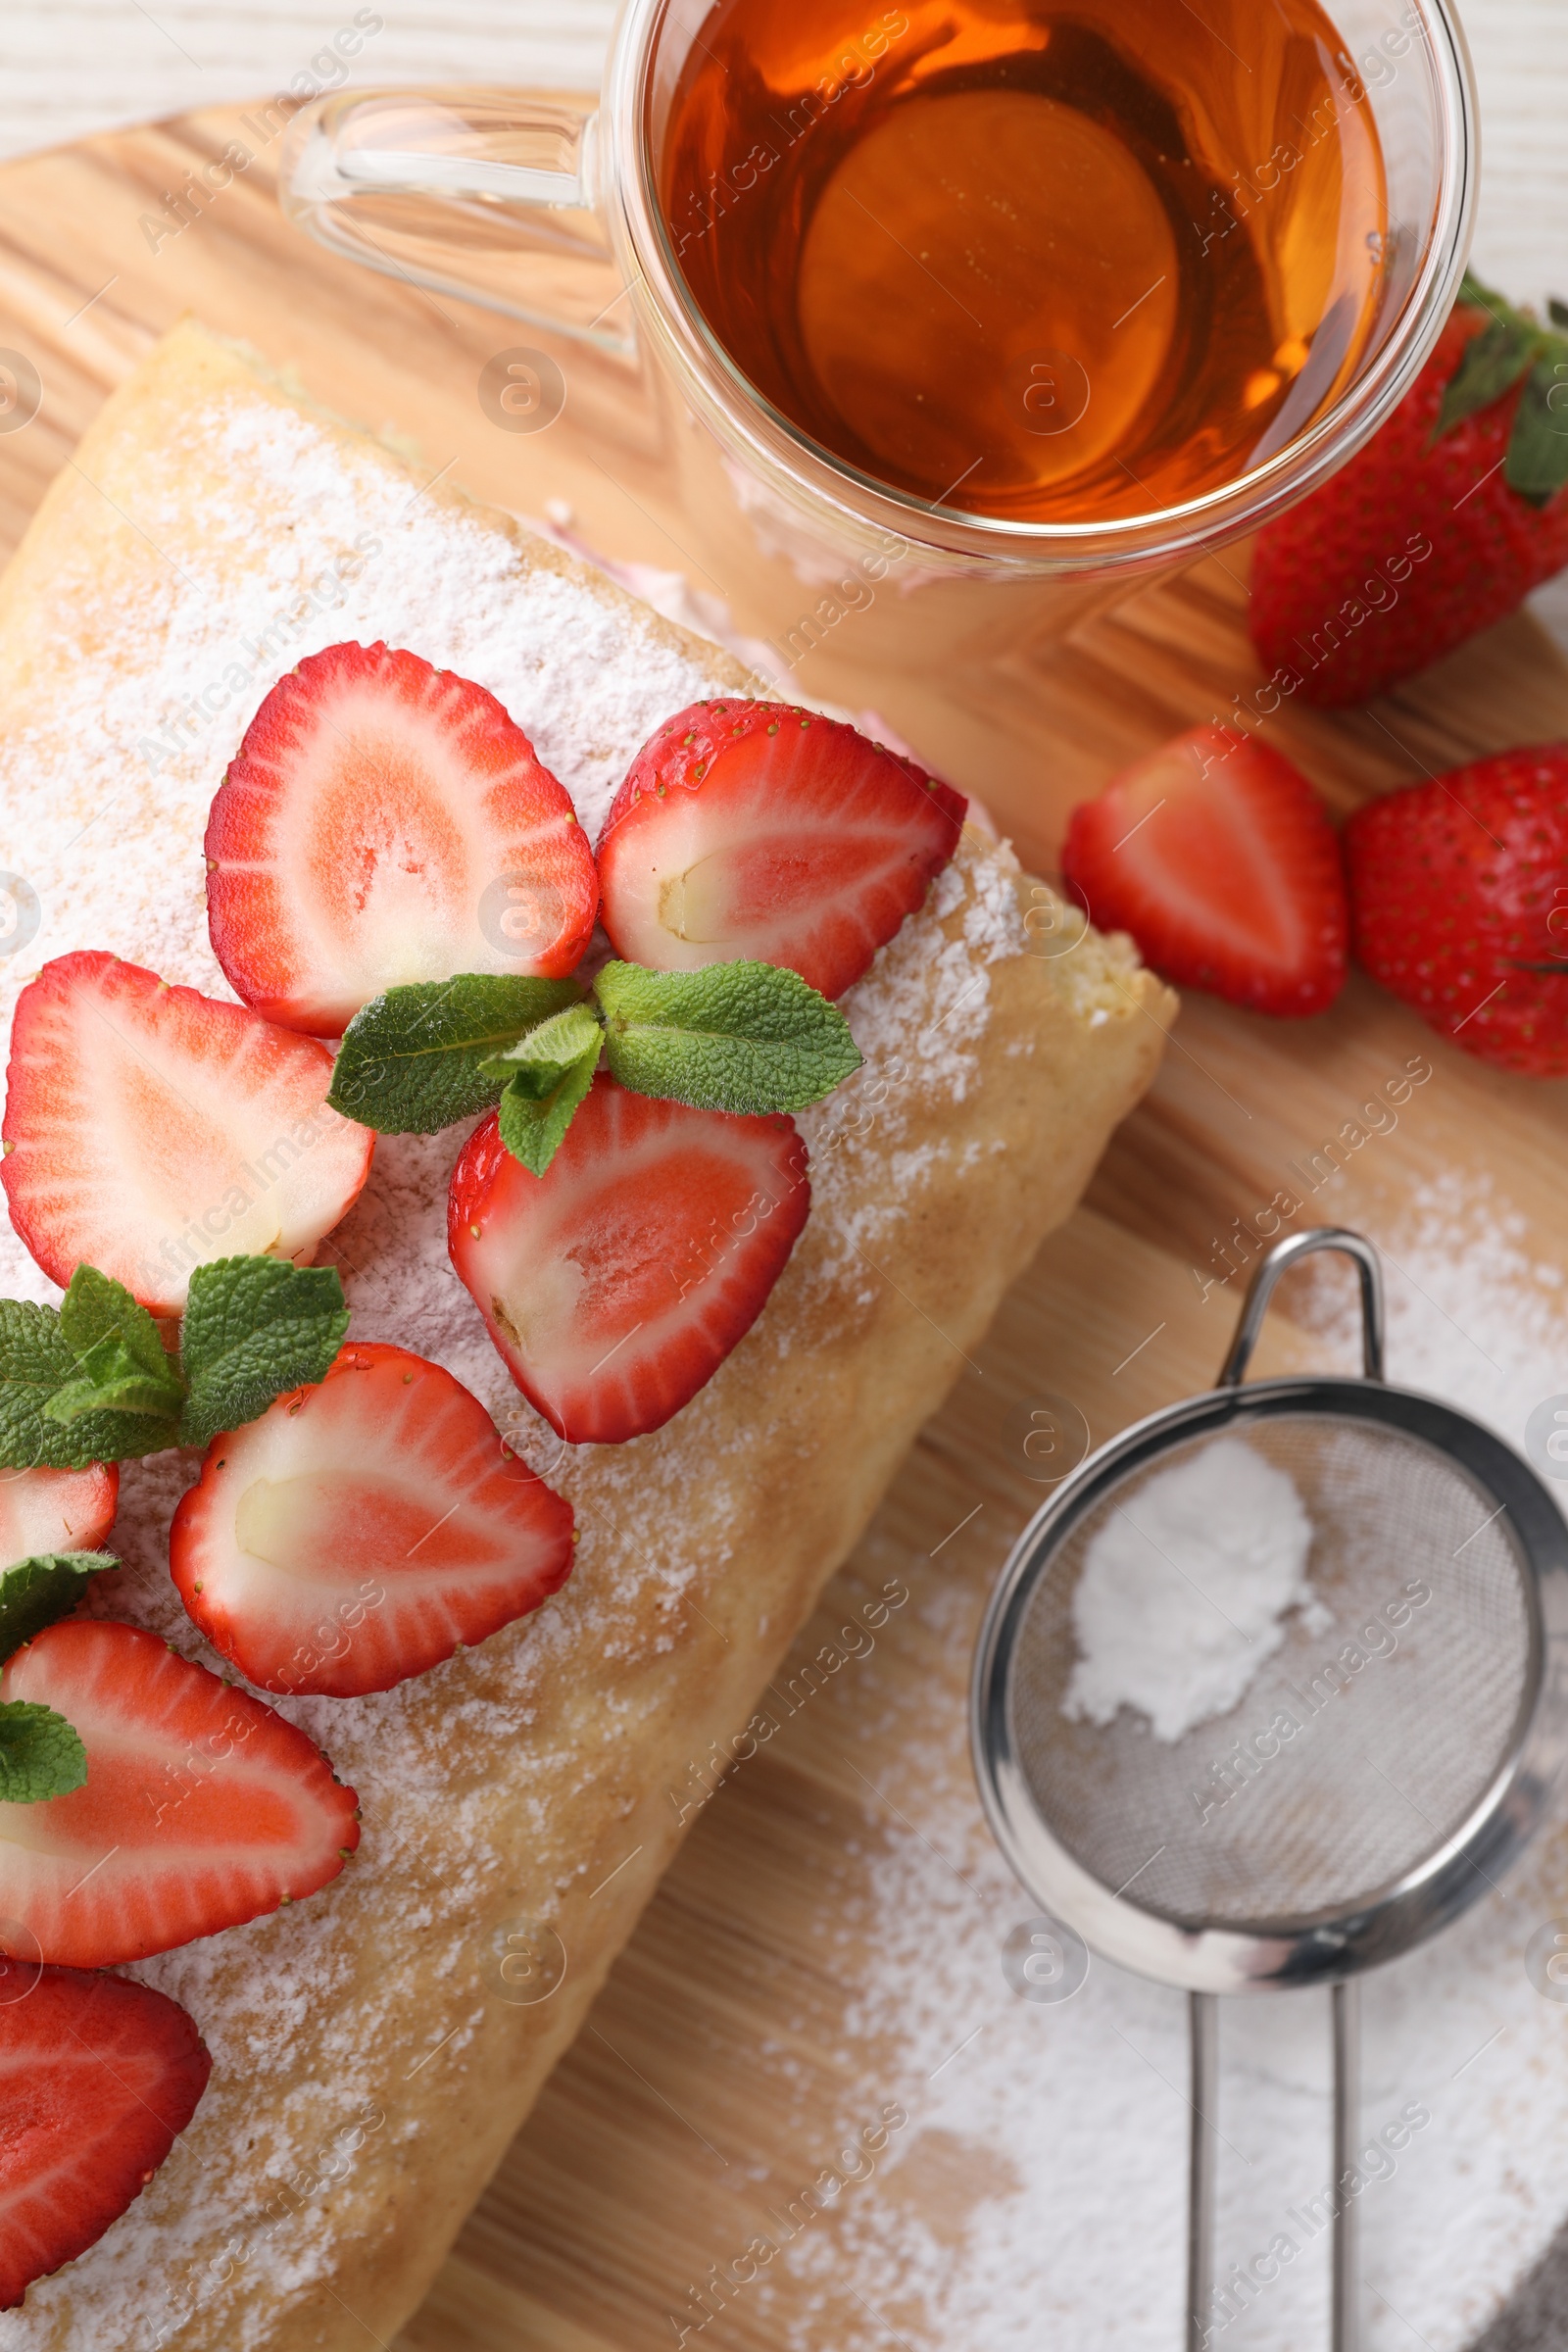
pixel 1388 1920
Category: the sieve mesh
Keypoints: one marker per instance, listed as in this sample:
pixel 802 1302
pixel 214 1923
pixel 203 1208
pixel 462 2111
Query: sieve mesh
pixel 1235 1823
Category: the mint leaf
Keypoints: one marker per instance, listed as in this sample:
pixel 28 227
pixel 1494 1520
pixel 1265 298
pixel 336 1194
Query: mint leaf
pixel 547 1073
pixel 741 1037
pixel 97 1307
pixel 121 1367
pixel 93 1383
pixel 37 1590
pixel 410 1061
pixel 254 1328
pixel 109 1379
pixel 533 1126
pixel 1538 448
pixel 540 1059
pixel 35 1363
pixel 40 1755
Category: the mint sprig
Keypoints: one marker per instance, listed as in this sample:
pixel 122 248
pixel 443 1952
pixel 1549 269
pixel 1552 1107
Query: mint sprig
pixel 92 1382
pixel 37 1590
pixel 36 1364
pixel 751 1038
pixel 413 1061
pixel 1516 344
pixel 738 1037
pixel 122 1366
pixel 254 1328
pixel 40 1755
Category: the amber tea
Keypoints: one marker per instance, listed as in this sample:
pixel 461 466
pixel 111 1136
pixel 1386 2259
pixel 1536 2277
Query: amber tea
pixel 1044 263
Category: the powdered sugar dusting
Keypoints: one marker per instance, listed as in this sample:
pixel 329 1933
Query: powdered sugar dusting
pixel 915 1016
pixel 583 680
pixel 319 542
pixel 1037 2195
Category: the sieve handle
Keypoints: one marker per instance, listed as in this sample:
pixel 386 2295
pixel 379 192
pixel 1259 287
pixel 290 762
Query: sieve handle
pixel 1279 1261
pixel 1202 2031
pixel 1347 2304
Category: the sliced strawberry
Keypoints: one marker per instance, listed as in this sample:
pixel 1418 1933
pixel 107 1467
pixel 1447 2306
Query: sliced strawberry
pixel 383 822
pixel 363 1530
pixel 98 2079
pixel 756 830
pixel 615 1285
pixel 201 1809
pixel 56 1510
pixel 1219 858
pixel 148 1128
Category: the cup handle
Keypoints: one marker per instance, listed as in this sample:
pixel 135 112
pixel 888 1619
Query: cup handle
pixel 486 194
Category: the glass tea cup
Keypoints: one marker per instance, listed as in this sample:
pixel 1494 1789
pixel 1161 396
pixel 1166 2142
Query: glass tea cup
pixel 929 615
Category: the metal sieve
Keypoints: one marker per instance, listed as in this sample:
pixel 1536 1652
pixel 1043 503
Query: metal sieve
pixel 1376 1776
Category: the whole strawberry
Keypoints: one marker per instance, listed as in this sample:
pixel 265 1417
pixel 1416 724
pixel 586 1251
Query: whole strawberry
pixel 1441 525
pixel 1460 904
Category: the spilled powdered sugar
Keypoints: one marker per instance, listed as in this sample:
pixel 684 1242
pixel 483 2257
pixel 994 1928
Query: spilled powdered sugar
pixel 1037 2197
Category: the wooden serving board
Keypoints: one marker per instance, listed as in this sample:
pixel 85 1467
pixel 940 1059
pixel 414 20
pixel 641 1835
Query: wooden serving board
pixel 732 2046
